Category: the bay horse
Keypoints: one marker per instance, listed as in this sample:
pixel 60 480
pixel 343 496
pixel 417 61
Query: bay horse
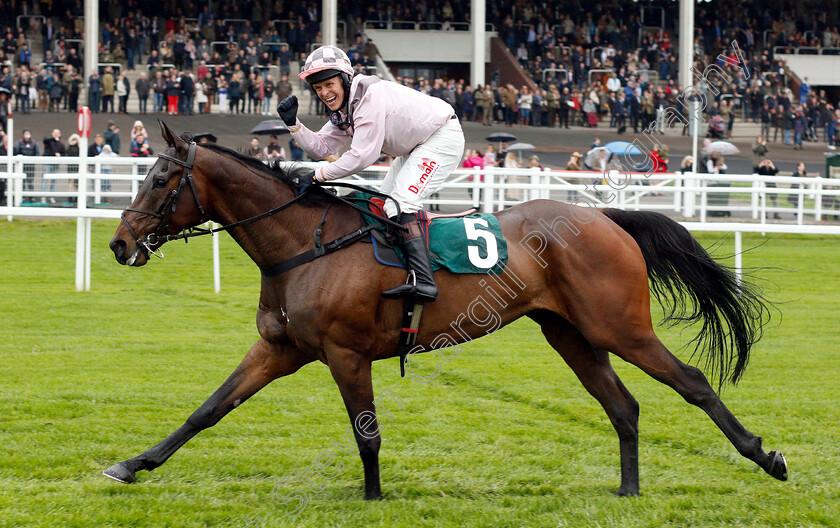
pixel 581 273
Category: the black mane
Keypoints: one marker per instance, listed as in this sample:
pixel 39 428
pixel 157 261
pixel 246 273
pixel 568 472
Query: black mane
pixel 316 195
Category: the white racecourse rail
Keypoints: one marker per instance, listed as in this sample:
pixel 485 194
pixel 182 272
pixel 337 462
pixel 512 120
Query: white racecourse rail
pixel 46 187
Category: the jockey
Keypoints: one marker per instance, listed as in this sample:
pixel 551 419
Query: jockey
pixel 421 132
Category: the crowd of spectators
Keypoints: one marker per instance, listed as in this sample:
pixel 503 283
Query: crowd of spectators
pixel 221 55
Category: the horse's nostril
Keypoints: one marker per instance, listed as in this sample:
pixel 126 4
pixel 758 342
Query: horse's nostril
pixel 118 247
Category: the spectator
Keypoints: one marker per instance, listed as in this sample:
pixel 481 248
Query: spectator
pixel 767 168
pixel 22 91
pixel 173 93
pixel 72 168
pixel 268 94
pixel 510 162
pixel 201 94
pixel 123 89
pixel 107 152
pixel 159 87
pixel 254 149
pixel 759 150
pixel 43 82
pixel 187 92
pixel 800 124
pixel 234 92
pixel 804 90
pixel 108 89
pixel 112 137
pixel 799 172
pixel 56 91
pixel 75 88
pixel 95 148
pixel 222 90
pixel 484 104
pixel 140 147
pixel 273 151
pixel 473 159
pixel 294 148
pixel 490 156
pixel 27 147
pixel 138 129
pixel 52 147
pixel 141 86
pixel 573 165
pixel 525 101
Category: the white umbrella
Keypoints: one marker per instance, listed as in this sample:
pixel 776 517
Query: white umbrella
pixel 520 147
pixel 590 157
pixel 724 148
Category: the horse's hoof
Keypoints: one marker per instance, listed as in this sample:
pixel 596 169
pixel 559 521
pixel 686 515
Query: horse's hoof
pixel 778 467
pixel 120 473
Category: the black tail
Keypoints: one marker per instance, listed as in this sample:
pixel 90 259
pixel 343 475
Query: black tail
pixel 696 287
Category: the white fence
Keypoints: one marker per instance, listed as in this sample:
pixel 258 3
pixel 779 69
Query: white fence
pixel 50 187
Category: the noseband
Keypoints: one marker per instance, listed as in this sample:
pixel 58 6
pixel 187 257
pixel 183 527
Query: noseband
pixel 163 233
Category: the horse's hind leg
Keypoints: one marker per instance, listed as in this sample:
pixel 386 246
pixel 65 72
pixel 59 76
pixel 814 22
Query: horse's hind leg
pixel 264 363
pixel 650 355
pixel 592 367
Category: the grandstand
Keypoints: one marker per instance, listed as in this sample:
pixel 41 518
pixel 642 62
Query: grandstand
pixel 565 45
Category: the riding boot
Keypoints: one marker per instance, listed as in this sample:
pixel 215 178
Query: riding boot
pixel 422 285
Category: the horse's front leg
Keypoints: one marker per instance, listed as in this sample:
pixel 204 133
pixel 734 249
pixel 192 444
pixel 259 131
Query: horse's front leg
pixel 264 363
pixel 351 372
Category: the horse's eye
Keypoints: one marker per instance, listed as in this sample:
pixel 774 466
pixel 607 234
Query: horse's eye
pixel 160 182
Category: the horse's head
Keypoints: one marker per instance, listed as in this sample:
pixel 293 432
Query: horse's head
pixel 166 203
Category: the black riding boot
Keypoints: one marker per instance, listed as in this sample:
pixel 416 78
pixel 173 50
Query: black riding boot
pixel 422 285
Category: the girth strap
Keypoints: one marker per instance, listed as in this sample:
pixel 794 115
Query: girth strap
pixel 318 251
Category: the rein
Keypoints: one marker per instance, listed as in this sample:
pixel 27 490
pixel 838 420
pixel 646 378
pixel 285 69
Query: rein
pixel 164 234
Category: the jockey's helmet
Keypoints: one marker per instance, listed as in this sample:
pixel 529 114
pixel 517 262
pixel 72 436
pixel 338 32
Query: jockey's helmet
pixel 327 62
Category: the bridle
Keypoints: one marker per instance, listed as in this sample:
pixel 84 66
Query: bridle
pixel 164 234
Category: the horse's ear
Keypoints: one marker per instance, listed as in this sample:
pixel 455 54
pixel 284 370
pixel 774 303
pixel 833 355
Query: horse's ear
pixel 167 134
pixel 170 137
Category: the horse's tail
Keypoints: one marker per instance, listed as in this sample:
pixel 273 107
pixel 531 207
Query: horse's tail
pixel 697 288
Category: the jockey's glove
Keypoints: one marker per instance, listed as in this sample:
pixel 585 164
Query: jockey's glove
pixel 287 109
pixel 304 182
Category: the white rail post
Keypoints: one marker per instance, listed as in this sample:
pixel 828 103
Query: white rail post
pixel 88 242
pixel 487 190
pixel 11 185
pixel 217 274
pixel 81 205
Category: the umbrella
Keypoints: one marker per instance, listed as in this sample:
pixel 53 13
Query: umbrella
pixel 724 148
pixel 520 147
pixel 272 127
pixel 594 154
pixel 622 147
pixel 205 137
pixel 500 136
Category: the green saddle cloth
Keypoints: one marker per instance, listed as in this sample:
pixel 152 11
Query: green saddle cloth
pixel 468 244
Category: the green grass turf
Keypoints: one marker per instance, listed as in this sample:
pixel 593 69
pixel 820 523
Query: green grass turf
pixel 505 437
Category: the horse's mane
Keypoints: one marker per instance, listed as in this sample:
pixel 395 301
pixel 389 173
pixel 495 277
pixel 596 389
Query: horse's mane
pixel 316 195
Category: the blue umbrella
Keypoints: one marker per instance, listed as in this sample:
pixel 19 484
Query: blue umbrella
pixel 622 147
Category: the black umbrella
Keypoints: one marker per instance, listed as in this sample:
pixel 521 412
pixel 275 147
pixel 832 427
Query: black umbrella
pixel 272 127
pixel 205 137
pixel 500 136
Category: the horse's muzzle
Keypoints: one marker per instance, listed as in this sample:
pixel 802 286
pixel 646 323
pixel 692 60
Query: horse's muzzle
pixel 138 257
pixel 118 246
